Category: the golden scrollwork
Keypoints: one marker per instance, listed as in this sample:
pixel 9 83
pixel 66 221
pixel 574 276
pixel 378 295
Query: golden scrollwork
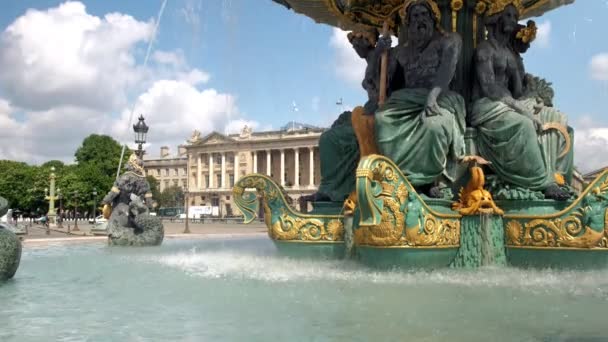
pixel 400 204
pixel 288 227
pixel 435 232
pixel 389 232
pixel 567 232
pixel 497 6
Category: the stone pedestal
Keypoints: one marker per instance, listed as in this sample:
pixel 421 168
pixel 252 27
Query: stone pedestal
pixel 10 254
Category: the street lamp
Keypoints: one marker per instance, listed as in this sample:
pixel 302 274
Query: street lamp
pixel 141 130
pixel 50 196
pixel 75 194
pixel 187 199
pixel 94 205
pixel 60 219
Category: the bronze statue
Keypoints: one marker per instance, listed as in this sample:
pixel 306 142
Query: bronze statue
pixel 421 126
pixel 129 221
pixel 503 115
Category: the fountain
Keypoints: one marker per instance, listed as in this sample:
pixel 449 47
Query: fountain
pixel 10 248
pixel 129 219
pixel 435 125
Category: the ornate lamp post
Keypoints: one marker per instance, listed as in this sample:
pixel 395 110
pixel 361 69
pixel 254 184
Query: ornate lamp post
pixel 50 196
pixel 141 130
pixel 187 200
pixel 94 205
pixel 75 194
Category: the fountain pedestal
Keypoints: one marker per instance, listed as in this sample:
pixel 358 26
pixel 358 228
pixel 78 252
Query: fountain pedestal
pixel 10 254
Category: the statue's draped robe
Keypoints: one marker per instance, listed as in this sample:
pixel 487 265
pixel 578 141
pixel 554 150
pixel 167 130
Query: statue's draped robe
pixel 553 144
pixel 339 155
pixel 424 149
pixel 510 142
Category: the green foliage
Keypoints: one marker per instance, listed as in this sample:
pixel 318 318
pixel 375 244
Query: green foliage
pixel 96 164
pixel 154 189
pixel 172 196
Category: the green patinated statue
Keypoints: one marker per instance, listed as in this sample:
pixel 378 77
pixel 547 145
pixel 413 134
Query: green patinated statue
pixel 338 145
pixel 421 126
pixel 504 113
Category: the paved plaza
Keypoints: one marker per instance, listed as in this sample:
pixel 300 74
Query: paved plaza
pixel 172 229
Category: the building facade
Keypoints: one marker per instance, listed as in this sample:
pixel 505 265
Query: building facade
pixel 209 166
pixel 168 169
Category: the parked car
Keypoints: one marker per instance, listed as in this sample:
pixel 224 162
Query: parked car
pixel 98 219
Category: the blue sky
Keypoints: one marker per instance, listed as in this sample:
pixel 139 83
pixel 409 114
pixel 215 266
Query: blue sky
pixel 259 58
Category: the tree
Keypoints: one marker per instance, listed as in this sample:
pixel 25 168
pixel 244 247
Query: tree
pixel 172 196
pixel 103 152
pixel 97 158
pixel 154 188
pixel 16 184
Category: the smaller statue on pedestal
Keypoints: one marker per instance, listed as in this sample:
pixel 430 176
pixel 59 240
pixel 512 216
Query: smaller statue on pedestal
pixel 126 207
pixel 10 247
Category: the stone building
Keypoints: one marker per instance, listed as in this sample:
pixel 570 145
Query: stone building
pixel 168 169
pixel 208 166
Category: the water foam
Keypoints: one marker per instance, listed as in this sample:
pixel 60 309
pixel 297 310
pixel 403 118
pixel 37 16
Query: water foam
pixel 242 265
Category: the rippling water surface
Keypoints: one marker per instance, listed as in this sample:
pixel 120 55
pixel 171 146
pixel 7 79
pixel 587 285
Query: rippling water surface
pixel 240 290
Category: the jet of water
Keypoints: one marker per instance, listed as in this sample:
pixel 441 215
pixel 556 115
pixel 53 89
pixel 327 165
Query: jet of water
pixel 157 24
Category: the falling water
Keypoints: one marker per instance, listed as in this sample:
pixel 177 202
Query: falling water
pixel 148 51
pixel 485 226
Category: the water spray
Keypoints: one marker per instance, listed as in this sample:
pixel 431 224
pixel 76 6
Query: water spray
pixel 156 25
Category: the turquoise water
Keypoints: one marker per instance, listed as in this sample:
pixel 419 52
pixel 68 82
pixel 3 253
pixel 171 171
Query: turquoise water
pixel 240 290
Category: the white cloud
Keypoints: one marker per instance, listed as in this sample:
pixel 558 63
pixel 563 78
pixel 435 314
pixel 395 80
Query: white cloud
pixel 174 108
pixel 590 144
pixel 591 148
pixel 65 56
pixel 66 74
pixel 348 65
pixel 174 58
pixel 543 35
pixel 599 67
pixel 45 135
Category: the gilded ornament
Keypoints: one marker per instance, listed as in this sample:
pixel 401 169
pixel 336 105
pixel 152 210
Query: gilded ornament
pixel 528 33
pixel 567 232
pixel 456 6
pixel 497 6
pixel 402 220
pixel 480 7
pixel 474 199
pixel 513 232
pixel 350 204
pixel 283 222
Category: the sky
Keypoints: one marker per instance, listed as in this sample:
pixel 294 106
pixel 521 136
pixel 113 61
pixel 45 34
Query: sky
pixel 72 68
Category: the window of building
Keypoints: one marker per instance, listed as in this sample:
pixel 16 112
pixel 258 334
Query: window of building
pixel 158 172
pixel 206 181
pixel 231 180
pixel 218 179
pixel 167 172
pixel 175 182
pixel 176 172
pixel 166 184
